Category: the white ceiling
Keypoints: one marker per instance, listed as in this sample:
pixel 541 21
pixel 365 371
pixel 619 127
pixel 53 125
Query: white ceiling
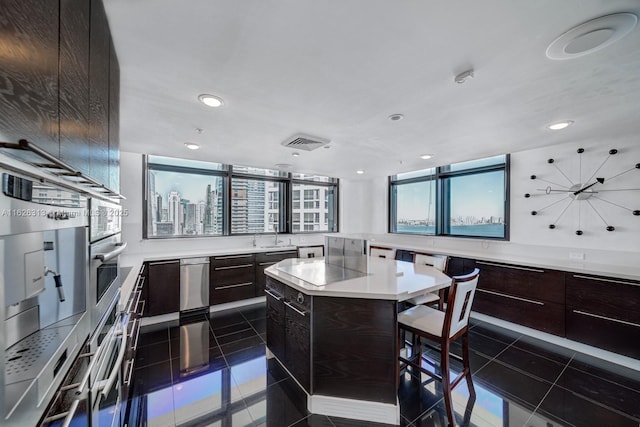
pixel 337 70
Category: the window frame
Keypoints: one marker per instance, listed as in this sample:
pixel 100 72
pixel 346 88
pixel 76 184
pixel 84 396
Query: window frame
pixel 227 173
pixel 442 176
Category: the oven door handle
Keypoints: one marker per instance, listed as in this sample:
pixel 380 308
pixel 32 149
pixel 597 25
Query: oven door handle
pixel 106 385
pixel 114 253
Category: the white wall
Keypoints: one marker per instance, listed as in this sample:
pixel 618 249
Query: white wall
pixel 363 209
pixel 530 235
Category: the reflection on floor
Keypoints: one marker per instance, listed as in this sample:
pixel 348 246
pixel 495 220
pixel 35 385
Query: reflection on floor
pixel 213 372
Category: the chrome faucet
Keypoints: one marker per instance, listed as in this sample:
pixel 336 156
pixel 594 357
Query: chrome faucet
pixel 275 229
pixel 255 236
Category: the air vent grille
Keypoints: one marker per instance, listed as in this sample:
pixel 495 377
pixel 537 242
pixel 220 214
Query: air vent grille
pixel 305 142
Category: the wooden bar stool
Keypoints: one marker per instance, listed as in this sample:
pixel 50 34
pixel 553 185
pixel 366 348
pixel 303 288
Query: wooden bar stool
pixel 436 261
pixel 442 328
pixel 310 251
pixel 382 252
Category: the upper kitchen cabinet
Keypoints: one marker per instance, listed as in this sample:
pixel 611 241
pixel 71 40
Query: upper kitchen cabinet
pixel 74 83
pixel 99 94
pixel 114 119
pixel 29 43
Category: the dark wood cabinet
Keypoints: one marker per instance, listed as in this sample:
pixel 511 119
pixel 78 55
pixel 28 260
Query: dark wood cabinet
pixel 297 319
pixel 114 120
pixel 603 312
pixel 232 278
pixel 532 297
pixel 276 336
pixel 29 73
pixel 163 287
pixel 74 83
pixel 99 94
pixel 265 260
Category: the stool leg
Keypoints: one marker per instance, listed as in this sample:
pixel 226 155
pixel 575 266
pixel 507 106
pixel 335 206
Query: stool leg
pixel 465 363
pixel 446 384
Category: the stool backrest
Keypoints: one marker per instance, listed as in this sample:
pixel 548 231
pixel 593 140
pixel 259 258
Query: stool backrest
pixel 382 252
pixel 311 251
pixel 459 303
pixel 435 261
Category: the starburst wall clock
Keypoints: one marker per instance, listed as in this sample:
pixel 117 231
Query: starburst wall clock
pixel 589 192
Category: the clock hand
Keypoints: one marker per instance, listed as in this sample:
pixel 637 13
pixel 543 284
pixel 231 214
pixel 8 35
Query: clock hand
pixel 598 181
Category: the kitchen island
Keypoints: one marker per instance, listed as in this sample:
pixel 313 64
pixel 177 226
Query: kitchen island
pixel 335 331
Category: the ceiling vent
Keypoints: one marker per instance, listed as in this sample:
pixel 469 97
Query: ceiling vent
pixel 305 142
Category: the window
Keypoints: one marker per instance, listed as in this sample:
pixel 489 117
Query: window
pixel 188 198
pixel 467 199
pixel 184 198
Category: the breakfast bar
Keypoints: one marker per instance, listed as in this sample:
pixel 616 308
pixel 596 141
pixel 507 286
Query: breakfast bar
pixel 335 330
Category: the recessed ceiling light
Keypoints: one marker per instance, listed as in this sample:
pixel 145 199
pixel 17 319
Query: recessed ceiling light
pixel 426 156
pixel 295 154
pixel 211 100
pixel 191 145
pixel 360 172
pixel 560 125
pixel 592 36
pixel 396 117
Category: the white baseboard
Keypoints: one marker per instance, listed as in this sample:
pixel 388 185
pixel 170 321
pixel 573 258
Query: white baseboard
pixel 354 409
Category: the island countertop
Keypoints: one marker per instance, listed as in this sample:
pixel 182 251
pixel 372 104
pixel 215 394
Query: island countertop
pixel 385 279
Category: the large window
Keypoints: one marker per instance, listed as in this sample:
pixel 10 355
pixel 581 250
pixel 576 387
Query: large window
pixel 467 199
pixel 186 198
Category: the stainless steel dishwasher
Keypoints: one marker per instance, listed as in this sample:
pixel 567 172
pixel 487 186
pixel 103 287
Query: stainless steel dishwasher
pixel 194 283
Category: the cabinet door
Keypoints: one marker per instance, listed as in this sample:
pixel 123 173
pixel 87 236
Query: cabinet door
pixel 604 312
pixel 99 94
pixel 114 120
pixel 275 322
pixel 232 278
pixel 163 287
pixel 265 260
pixel 298 337
pixel 74 83
pixel 29 73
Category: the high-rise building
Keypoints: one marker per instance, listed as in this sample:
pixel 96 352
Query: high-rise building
pixel 175 215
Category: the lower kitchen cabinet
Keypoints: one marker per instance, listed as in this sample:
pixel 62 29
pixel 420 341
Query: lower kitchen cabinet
pixel 288 329
pixel 232 278
pixel 265 260
pixel 604 312
pixel 532 297
pixel 162 287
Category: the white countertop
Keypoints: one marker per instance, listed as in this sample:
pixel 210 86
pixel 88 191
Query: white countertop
pixel 385 279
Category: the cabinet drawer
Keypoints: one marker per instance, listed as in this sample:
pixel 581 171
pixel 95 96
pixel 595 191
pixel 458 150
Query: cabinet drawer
pixel 600 331
pixel 609 297
pixel 275 286
pixel 299 300
pixel 219 294
pixel 525 282
pixel 535 314
pixel 230 260
pixel 230 274
pixel 275 256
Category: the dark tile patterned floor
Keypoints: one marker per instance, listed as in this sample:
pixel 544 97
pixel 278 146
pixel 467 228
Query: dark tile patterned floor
pixel 228 381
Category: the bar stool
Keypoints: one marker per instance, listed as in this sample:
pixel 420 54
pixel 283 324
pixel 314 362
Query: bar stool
pixel 310 251
pixel 382 252
pixel 443 328
pixel 436 261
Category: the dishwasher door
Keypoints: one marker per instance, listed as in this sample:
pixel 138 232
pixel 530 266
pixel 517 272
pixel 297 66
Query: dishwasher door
pixel 194 283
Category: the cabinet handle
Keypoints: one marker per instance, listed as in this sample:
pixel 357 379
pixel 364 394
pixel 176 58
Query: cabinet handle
pixel 511 296
pixel 127 382
pixel 280 253
pixel 584 313
pixel 231 267
pixel 268 263
pixel 164 262
pixel 272 295
pixel 140 284
pixel 233 256
pixel 288 304
pixel 219 288
pixel 621 282
pixel 535 270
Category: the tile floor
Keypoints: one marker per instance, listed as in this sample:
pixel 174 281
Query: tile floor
pixel 519 381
